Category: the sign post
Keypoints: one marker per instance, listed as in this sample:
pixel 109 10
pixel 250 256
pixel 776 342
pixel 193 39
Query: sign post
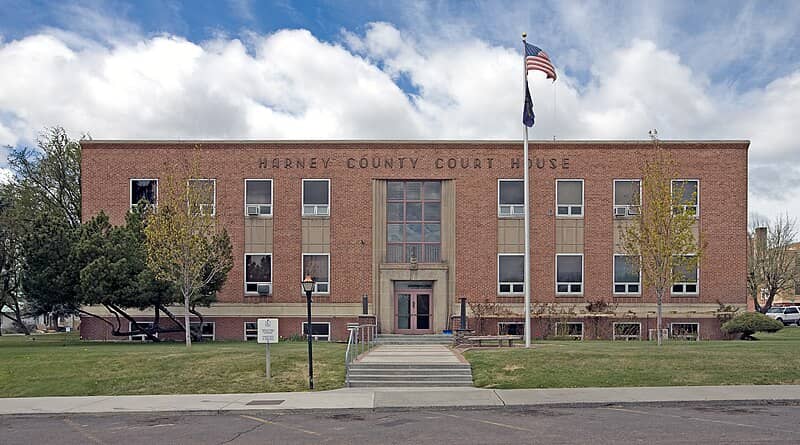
pixel 268 333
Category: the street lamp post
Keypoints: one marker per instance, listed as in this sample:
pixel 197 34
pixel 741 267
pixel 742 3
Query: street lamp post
pixel 308 287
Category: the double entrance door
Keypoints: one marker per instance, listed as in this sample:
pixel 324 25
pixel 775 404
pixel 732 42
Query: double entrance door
pixel 412 311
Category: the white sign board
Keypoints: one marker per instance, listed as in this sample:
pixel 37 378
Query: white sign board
pixel 268 330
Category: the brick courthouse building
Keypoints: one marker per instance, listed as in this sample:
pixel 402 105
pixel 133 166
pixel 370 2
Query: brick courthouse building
pixel 413 226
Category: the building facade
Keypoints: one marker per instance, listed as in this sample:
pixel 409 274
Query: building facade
pixel 397 232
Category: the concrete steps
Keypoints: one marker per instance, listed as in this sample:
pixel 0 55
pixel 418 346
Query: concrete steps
pixel 401 365
pixel 426 339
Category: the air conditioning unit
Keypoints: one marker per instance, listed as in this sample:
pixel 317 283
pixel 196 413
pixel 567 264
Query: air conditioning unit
pixel 633 210
pixel 264 289
pixel 619 211
pixel 252 210
pixel 652 334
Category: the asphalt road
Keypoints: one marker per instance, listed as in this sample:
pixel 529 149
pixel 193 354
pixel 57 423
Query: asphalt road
pixel 706 424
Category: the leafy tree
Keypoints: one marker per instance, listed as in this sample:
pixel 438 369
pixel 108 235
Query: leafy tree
pixel 186 246
pixel 771 264
pixel 661 236
pixel 49 179
pixel 10 260
pixel 114 274
pixel 748 323
pixel 46 197
pixel 50 276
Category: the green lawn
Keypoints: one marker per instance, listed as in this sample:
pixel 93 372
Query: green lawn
pixel 55 365
pixel 775 359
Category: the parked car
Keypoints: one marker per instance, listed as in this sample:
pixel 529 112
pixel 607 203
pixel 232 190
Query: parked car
pixel 786 315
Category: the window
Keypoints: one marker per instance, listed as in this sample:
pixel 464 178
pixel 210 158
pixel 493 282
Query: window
pixel 139 337
pixel 258 197
pixel 686 196
pixel 144 189
pixel 569 197
pixel 627 331
pixel 684 331
pixel 202 196
pixel 318 266
pixel 627 197
pixel 511 274
pixel 510 328
pixel 627 274
pixel 258 273
pixel 569 273
pixel 250 331
pixel 206 330
pixel 413 221
pixel 316 197
pixel 319 331
pixel 510 197
pixel 570 329
pixel 684 274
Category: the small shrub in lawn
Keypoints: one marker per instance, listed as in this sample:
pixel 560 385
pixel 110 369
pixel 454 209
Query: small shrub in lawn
pixel 749 323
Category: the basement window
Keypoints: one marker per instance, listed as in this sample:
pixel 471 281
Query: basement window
pixel 140 337
pixel 510 328
pixel 571 329
pixel 250 331
pixel 627 331
pixel 319 330
pixel 684 331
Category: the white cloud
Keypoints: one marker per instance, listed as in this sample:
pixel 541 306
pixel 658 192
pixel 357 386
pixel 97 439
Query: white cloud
pixel 291 85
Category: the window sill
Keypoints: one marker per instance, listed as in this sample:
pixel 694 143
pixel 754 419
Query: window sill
pixel 569 216
pixel 316 216
pixel 258 216
pixel 511 216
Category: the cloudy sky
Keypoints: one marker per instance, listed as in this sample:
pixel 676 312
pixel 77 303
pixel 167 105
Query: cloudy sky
pixel 409 70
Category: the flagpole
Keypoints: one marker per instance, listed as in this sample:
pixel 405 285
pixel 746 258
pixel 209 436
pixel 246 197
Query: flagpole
pixel 527 275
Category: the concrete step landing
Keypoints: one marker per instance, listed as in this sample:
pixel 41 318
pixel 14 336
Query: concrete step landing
pixel 402 339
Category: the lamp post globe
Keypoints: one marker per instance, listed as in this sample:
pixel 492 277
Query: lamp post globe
pixel 308 288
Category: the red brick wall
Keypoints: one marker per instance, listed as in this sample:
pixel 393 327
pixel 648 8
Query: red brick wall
pixel 226 328
pixel 721 168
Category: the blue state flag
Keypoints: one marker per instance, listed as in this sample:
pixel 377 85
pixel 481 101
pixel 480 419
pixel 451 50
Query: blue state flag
pixel 527 113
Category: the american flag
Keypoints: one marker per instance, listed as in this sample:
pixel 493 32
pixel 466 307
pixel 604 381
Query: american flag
pixel 536 59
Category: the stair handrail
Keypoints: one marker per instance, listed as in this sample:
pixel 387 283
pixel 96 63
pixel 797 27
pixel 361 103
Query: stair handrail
pixel 361 339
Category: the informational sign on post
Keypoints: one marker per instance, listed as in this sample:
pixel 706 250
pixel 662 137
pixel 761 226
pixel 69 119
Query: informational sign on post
pixel 268 333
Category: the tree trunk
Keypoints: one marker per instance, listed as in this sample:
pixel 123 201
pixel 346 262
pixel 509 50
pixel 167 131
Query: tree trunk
pixel 186 315
pixel 659 295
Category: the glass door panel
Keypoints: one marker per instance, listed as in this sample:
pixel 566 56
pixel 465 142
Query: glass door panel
pixel 423 312
pixel 403 311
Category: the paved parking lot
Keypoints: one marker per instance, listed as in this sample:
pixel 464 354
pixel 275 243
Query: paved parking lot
pixel 706 423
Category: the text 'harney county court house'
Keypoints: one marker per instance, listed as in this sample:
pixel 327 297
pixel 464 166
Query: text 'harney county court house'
pixel 414 226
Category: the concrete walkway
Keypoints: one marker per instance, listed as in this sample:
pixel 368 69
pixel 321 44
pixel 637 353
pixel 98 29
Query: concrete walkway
pixel 411 355
pixel 400 398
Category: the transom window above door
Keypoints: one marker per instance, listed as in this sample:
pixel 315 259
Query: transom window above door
pixel 413 221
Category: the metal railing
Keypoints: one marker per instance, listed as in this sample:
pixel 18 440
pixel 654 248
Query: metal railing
pixel 360 340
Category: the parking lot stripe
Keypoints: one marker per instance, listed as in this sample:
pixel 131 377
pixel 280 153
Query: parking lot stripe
pixel 291 427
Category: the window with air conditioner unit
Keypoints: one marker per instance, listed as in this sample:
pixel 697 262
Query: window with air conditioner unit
pixel 316 197
pixel 258 274
pixel 686 196
pixel 627 197
pixel 202 196
pixel 569 197
pixel 510 198
pixel 258 197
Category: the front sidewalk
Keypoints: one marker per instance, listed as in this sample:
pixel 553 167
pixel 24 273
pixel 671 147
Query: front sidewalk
pixel 398 398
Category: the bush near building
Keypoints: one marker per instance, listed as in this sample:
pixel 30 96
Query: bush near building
pixel 749 323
